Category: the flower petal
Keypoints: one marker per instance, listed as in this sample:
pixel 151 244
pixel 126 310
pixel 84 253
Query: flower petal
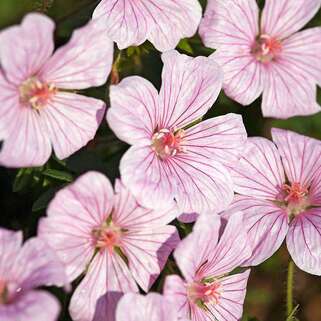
pixel 301 155
pixel 284 17
pixel 260 172
pixel 133 112
pixel 190 88
pixel 315 189
pixel 267 226
pixel 147 251
pixel 163 22
pixel 304 241
pixel 81 206
pixel 25 48
pixel 71 121
pixel 85 61
pixel 221 138
pixel 96 297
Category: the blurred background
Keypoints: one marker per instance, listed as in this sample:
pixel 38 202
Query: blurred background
pixel 25 193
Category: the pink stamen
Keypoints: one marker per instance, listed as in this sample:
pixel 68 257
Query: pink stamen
pixel 295 193
pixel 266 48
pixel 207 292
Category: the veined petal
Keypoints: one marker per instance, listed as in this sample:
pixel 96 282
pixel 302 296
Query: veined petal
pixel 221 138
pixel 301 155
pixel 71 121
pixel 267 226
pixel 189 89
pixel 25 48
pixel 315 189
pixel 85 61
pixel 106 280
pixel 284 17
pixel 304 241
pixel 133 112
pixel 260 172
pixel 82 206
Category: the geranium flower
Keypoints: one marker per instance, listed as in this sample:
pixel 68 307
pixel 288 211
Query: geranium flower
pixel 173 158
pixel 162 22
pixel 280 196
pixel 22 270
pixel 205 258
pixel 269 57
pixel 111 238
pixel 38 108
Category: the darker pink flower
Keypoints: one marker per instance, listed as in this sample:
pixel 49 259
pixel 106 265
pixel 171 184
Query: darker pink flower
pixel 279 187
pixel 38 108
pixel 205 258
pixel 269 56
pixel 162 22
pixel 111 238
pixel 22 270
pixel 175 157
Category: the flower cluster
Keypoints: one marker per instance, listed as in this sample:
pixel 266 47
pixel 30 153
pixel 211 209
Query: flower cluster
pixel 246 194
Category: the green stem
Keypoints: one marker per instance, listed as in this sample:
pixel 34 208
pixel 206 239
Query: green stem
pixel 289 291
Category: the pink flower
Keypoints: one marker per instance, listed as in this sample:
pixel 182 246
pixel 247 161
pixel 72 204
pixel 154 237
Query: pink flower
pixel 22 270
pixel 205 258
pixel 38 109
pixel 162 22
pixel 269 57
pixel 153 307
pixel 111 238
pixel 173 158
pixel 280 196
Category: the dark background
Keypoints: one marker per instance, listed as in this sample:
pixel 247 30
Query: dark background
pixel 25 193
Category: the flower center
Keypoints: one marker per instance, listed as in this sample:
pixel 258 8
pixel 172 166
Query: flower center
pixel 3 292
pixel 36 93
pixel 266 48
pixel 8 292
pixel 166 143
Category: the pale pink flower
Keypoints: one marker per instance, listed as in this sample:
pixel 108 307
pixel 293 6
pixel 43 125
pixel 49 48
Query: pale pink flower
pixel 173 158
pixel 111 238
pixel 268 56
pixel 162 22
pixel 22 270
pixel 280 195
pixel 38 108
pixel 205 258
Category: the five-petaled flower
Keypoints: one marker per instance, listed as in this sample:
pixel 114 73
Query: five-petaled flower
pixel 111 238
pixel 272 58
pixel 173 159
pixel 205 258
pixel 279 189
pixel 38 108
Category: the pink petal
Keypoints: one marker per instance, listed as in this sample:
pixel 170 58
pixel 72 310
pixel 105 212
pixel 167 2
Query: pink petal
pixel 31 306
pixel 315 189
pixel 304 241
pixel 230 305
pixel 288 91
pixel 284 17
pixel 96 297
pixel 303 50
pixel 301 155
pixel 163 22
pixel 26 143
pixel 221 138
pixel 267 226
pixel 129 214
pixel 194 250
pixel 81 206
pixel 25 48
pixel 233 23
pixel 188 217
pixel 84 62
pixel 147 251
pixel 71 121
pixel 190 87
pixel 152 307
pixel 260 172
pixel 133 125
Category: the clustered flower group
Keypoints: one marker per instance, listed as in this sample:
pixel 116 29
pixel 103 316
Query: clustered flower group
pixel 246 194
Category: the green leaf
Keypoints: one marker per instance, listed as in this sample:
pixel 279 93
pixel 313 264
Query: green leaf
pixel 42 202
pixel 59 175
pixel 185 46
pixel 22 180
